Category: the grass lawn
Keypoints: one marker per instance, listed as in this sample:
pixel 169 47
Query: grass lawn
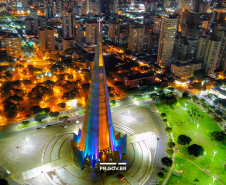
pixel 23 126
pixel 181 124
pixel 190 173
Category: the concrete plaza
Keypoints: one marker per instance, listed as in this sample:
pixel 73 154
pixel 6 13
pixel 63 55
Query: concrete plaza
pixel 45 155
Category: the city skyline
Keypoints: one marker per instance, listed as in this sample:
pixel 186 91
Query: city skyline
pixel 112 92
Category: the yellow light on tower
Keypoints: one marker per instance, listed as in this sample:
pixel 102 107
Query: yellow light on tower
pixel 202 83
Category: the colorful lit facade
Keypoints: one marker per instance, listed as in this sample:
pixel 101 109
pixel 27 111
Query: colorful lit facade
pixel 96 142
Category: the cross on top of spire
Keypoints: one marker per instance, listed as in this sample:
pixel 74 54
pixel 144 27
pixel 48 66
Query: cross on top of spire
pixel 99 20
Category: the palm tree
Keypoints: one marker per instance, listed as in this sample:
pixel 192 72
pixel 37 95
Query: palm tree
pixel 196 180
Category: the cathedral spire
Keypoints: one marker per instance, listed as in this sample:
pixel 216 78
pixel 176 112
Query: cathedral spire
pixel 96 141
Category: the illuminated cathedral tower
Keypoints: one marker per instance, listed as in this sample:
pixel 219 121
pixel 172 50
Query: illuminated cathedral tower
pixel 96 142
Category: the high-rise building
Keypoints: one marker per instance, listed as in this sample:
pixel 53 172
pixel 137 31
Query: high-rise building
pixel 92 32
pixel 151 6
pixel 157 24
pixel 114 32
pixel 109 6
pixel 94 8
pixel 46 39
pixel 209 52
pixel 33 14
pixel 152 42
pixel 223 57
pixel 185 48
pixel 189 23
pixel 80 36
pixel 96 142
pixel 42 21
pixel 14 5
pixel 185 70
pixel 183 5
pixel 203 7
pixel 212 55
pixel 31 25
pixel 49 10
pixel 115 6
pixel 199 6
pixel 136 38
pixel 166 40
pixel 68 25
pixel 13 46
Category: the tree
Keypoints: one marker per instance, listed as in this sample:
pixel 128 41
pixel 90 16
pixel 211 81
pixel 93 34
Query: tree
pixel 166 161
pixel 160 174
pixel 14 99
pixel 4 182
pixel 62 105
pixel 163 114
pixel 11 115
pixel 70 95
pixel 165 120
pixel 217 135
pixel 46 110
pixel 171 89
pixel 39 92
pixel 218 119
pixel 54 114
pixel 63 118
pixel 169 151
pixel 26 82
pixel 57 67
pixel 113 102
pixel 196 180
pixel 169 100
pixel 127 52
pixel 36 109
pixel 195 150
pixel 25 122
pixel 183 140
pixel 185 95
pixel 168 129
pixel 171 144
pixel 111 95
pixel 219 112
pixel 200 75
pixel 48 83
pixel 120 85
pixel 85 86
pixel 197 85
pixel 40 117
pixel 10 107
pixel 8 75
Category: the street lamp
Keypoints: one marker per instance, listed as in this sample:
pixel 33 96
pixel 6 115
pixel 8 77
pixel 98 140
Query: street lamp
pixel 197 126
pixel 77 121
pixel 214 153
pixel 214 178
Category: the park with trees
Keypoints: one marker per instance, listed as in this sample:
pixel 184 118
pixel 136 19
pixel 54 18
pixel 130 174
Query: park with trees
pixel 199 143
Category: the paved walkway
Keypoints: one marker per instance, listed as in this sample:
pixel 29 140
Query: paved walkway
pixel 140 137
pixel 9 178
pixel 171 169
pixel 46 168
pixel 161 145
